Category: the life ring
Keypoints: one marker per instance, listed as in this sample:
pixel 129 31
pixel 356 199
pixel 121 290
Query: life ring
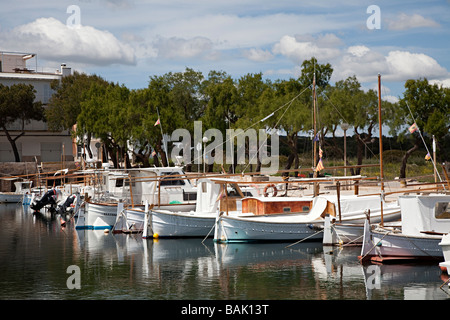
pixel 270 185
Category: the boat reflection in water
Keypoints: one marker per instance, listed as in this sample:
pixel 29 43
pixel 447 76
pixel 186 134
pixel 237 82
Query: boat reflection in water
pixel 192 269
pixel 36 250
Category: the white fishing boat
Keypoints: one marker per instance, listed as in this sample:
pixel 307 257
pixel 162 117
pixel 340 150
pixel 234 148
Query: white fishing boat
pixel 213 195
pixel 166 188
pixel 298 218
pixel 348 225
pixel 445 246
pixel 425 219
pixel 16 196
pixel 266 219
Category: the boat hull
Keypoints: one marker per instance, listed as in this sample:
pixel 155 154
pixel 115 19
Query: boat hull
pixel 181 224
pixel 445 246
pixel 231 229
pixel 352 231
pixel 381 246
pixel 11 197
pixel 99 216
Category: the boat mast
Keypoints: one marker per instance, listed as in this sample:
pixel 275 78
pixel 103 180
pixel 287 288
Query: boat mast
pixel 315 133
pixel 381 146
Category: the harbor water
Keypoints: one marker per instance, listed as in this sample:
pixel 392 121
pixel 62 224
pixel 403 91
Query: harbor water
pixel 42 260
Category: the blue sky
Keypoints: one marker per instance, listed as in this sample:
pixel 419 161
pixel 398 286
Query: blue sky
pixel 127 41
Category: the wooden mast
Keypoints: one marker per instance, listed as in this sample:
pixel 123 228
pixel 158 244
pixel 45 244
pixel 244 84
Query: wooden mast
pixel 314 136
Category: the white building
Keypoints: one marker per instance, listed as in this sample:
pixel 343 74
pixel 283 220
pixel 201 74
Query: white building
pixel 38 141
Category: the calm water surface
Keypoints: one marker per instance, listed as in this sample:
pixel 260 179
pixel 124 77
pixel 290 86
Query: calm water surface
pixel 36 252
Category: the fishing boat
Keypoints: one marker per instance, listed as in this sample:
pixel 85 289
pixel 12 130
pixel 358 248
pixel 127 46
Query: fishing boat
pixel 425 219
pixel 274 219
pixel 348 226
pixel 445 246
pixel 295 218
pixel 16 196
pixel 213 195
pixel 166 188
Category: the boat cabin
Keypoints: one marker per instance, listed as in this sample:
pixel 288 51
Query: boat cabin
pixel 425 214
pixel 270 205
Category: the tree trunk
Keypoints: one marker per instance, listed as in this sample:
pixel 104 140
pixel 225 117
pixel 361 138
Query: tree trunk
pixel 13 143
pixel 161 152
pixel 405 159
pixel 293 156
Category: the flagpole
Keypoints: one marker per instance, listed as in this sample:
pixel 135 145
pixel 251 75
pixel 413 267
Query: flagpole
pixel 162 136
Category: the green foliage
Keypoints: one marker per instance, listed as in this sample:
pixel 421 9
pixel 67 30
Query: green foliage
pixel 65 104
pixel 117 115
pixel 17 104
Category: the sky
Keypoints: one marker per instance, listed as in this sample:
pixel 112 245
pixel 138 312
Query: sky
pixel 128 41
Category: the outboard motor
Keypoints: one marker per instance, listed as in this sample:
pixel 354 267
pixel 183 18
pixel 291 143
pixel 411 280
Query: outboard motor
pixel 66 206
pixel 49 198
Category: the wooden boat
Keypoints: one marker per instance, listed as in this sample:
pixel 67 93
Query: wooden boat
pixel 425 219
pixel 213 195
pixel 266 219
pixel 295 218
pixel 349 226
pixel 21 188
pixel 134 188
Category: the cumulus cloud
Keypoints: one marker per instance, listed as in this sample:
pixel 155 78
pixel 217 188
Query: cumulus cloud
pixel 176 47
pixel 443 83
pixel 404 22
pixel 396 65
pixel 404 64
pixel 258 55
pixel 298 50
pixel 54 40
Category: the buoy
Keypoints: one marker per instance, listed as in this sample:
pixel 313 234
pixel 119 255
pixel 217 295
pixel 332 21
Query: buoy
pixel 270 185
pixel 155 236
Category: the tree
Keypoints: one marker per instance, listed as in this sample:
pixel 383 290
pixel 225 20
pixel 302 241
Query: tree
pixel 17 104
pixel 426 104
pixel 64 105
pixel 250 110
pixel 300 116
pixel 104 114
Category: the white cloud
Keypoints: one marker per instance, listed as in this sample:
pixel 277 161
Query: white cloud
pixel 54 40
pixel 405 65
pixel 444 83
pixel 176 47
pixel 297 51
pixel 258 55
pixel 358 51
pixel 404 22
pixel 397 65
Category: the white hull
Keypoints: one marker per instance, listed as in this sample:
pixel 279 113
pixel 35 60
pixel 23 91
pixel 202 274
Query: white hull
pixel 258 228
pixel 383 246
pixel 445 246
pixel 11 197
pixel 99 216
pixel 135 219
pixel 279 227
pixel 352 231
pixel 181 224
